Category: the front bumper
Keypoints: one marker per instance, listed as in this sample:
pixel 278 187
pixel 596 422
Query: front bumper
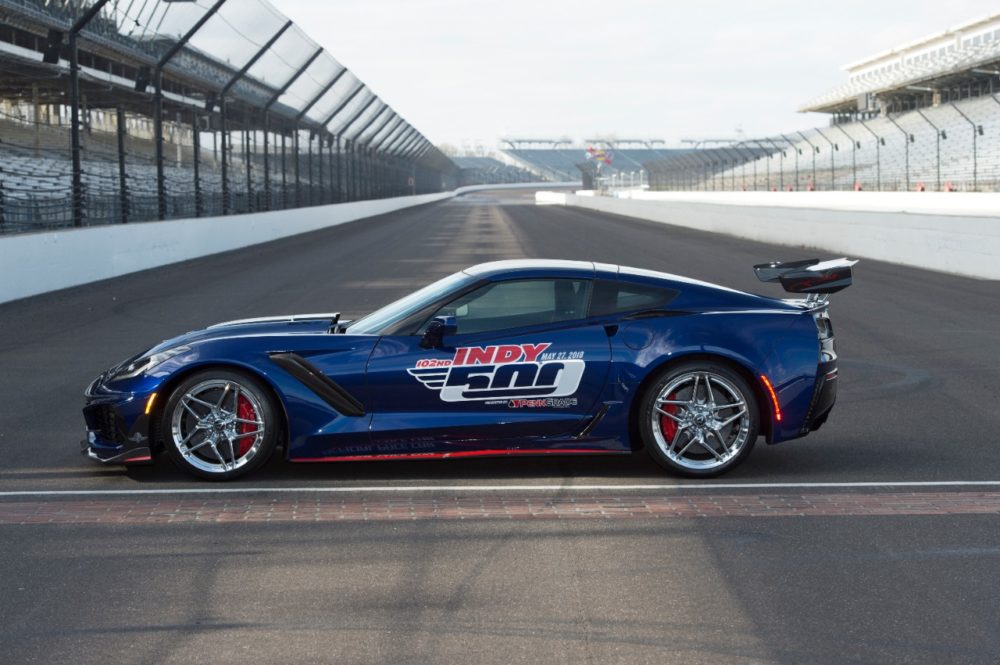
pixel 118 428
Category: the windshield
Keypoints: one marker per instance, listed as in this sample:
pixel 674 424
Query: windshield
pixel 400 309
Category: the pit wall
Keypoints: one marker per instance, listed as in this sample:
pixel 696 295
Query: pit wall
pixel 957 233
pixel 34 263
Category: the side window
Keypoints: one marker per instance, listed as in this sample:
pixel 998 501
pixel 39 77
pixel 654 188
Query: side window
pixel 518 303
pixel 613 297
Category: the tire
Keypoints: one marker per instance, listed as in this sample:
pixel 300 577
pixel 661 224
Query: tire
pixel 220 424
pixel 694 432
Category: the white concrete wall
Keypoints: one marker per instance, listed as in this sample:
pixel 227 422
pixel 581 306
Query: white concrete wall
pixel 35 263
pixel 963 239
pixel 982 204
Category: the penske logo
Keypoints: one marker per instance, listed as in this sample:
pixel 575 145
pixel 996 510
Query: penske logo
pixel 507 371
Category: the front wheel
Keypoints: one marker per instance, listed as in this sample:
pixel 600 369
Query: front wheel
pixel 699 419
pixel 220 424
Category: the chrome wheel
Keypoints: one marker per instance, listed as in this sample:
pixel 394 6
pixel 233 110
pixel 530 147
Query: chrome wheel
pixel 701 421
pixel 218 426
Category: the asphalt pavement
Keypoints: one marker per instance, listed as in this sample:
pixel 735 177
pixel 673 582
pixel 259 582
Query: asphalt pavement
pixel 920 381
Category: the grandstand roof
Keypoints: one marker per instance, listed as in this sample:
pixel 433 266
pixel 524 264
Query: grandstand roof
pixel 938 60
pixel 245 50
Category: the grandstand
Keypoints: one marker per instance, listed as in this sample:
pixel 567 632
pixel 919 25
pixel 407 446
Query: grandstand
pixel 923 116
pixel 477 170
pixel 561 159
pixel 118 111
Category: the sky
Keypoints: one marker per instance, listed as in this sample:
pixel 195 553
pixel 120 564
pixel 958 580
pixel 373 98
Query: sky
pixel 468 72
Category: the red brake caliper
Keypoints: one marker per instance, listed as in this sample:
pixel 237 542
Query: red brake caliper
pixel 245 411
pixel 668 425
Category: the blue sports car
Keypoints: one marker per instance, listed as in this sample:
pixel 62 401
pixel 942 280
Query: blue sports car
pixel 531 357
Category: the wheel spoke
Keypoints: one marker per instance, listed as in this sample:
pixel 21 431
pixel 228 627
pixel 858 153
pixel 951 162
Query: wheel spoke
pixel 694 390
pixel 204 442
pixel 188 437
pixel 222 460
pixel 732 418
pixel 187 407
pixel 243 435
pixel 668 415
pixel 677 437
pixel 222 397
pixel 708 388
pixel 196 400
pixel 718 436
pixel 236 402
pixel 232 450
pixel 249 422
pixel 723 407
pixel 704 444
pixel 683 450
pixel 674 402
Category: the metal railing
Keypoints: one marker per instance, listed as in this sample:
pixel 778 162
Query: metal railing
pixel 136 111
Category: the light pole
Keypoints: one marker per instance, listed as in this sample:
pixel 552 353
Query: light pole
pixel 976 130
pixel 814 151
pixel 854 150
pixel 879 142
pixel 781 164
pixel 907 140
pixel 938 135
pixel 798 152
pixel 833 148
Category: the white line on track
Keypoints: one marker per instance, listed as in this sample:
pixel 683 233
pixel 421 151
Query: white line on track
pixel 370 489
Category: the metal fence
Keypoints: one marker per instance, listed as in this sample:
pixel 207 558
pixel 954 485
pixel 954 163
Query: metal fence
pixel 953 146
pixel 116 111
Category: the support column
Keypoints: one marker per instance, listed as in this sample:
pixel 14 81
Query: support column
pixel 161 182
pixel 298 173
pixel 319 150
pixel 340 170
pixel 246 158
pixel 196 161
pixel 267 163
pixel 309 166
pixel 122 183
pixel 74 122
pixel 224 150
pixel 284 172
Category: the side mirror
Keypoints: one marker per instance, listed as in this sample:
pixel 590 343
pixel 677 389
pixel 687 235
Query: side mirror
pixel 437 329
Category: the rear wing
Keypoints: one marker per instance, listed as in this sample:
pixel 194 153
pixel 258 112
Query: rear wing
pixel 816 278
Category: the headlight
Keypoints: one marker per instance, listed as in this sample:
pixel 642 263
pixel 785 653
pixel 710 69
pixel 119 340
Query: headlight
pixel 146 363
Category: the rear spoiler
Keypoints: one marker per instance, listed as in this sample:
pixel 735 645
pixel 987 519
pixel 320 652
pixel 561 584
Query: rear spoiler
pixel 811 276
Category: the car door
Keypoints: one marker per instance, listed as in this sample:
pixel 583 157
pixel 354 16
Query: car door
pixel 523 364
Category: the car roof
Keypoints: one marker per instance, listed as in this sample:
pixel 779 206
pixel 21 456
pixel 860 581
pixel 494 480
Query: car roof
pixel 535 268
pixel 521 268
pixel 528 268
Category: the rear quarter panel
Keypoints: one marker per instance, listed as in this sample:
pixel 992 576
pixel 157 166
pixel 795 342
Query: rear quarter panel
pixel 782 345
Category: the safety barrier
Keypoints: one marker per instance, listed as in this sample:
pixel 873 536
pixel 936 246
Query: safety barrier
pixel 957 236
pixel 35 263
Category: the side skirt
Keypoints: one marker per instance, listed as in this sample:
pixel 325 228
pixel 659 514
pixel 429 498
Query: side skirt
pixel 458 454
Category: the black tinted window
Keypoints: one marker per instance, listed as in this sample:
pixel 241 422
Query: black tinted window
pixel 514 304
pixel 612 297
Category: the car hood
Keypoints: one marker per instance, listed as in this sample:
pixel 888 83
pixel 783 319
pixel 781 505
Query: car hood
pixel 296 324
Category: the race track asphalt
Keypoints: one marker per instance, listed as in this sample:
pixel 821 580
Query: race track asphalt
pixel 920 382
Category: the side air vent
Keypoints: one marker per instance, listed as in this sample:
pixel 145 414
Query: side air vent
pixel 327 389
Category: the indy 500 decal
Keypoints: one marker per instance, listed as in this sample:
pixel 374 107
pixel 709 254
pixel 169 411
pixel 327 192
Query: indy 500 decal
pixel 507 371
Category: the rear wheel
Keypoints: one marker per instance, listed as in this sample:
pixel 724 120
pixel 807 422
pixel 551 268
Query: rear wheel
pixel 699 419
pixel 220 424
